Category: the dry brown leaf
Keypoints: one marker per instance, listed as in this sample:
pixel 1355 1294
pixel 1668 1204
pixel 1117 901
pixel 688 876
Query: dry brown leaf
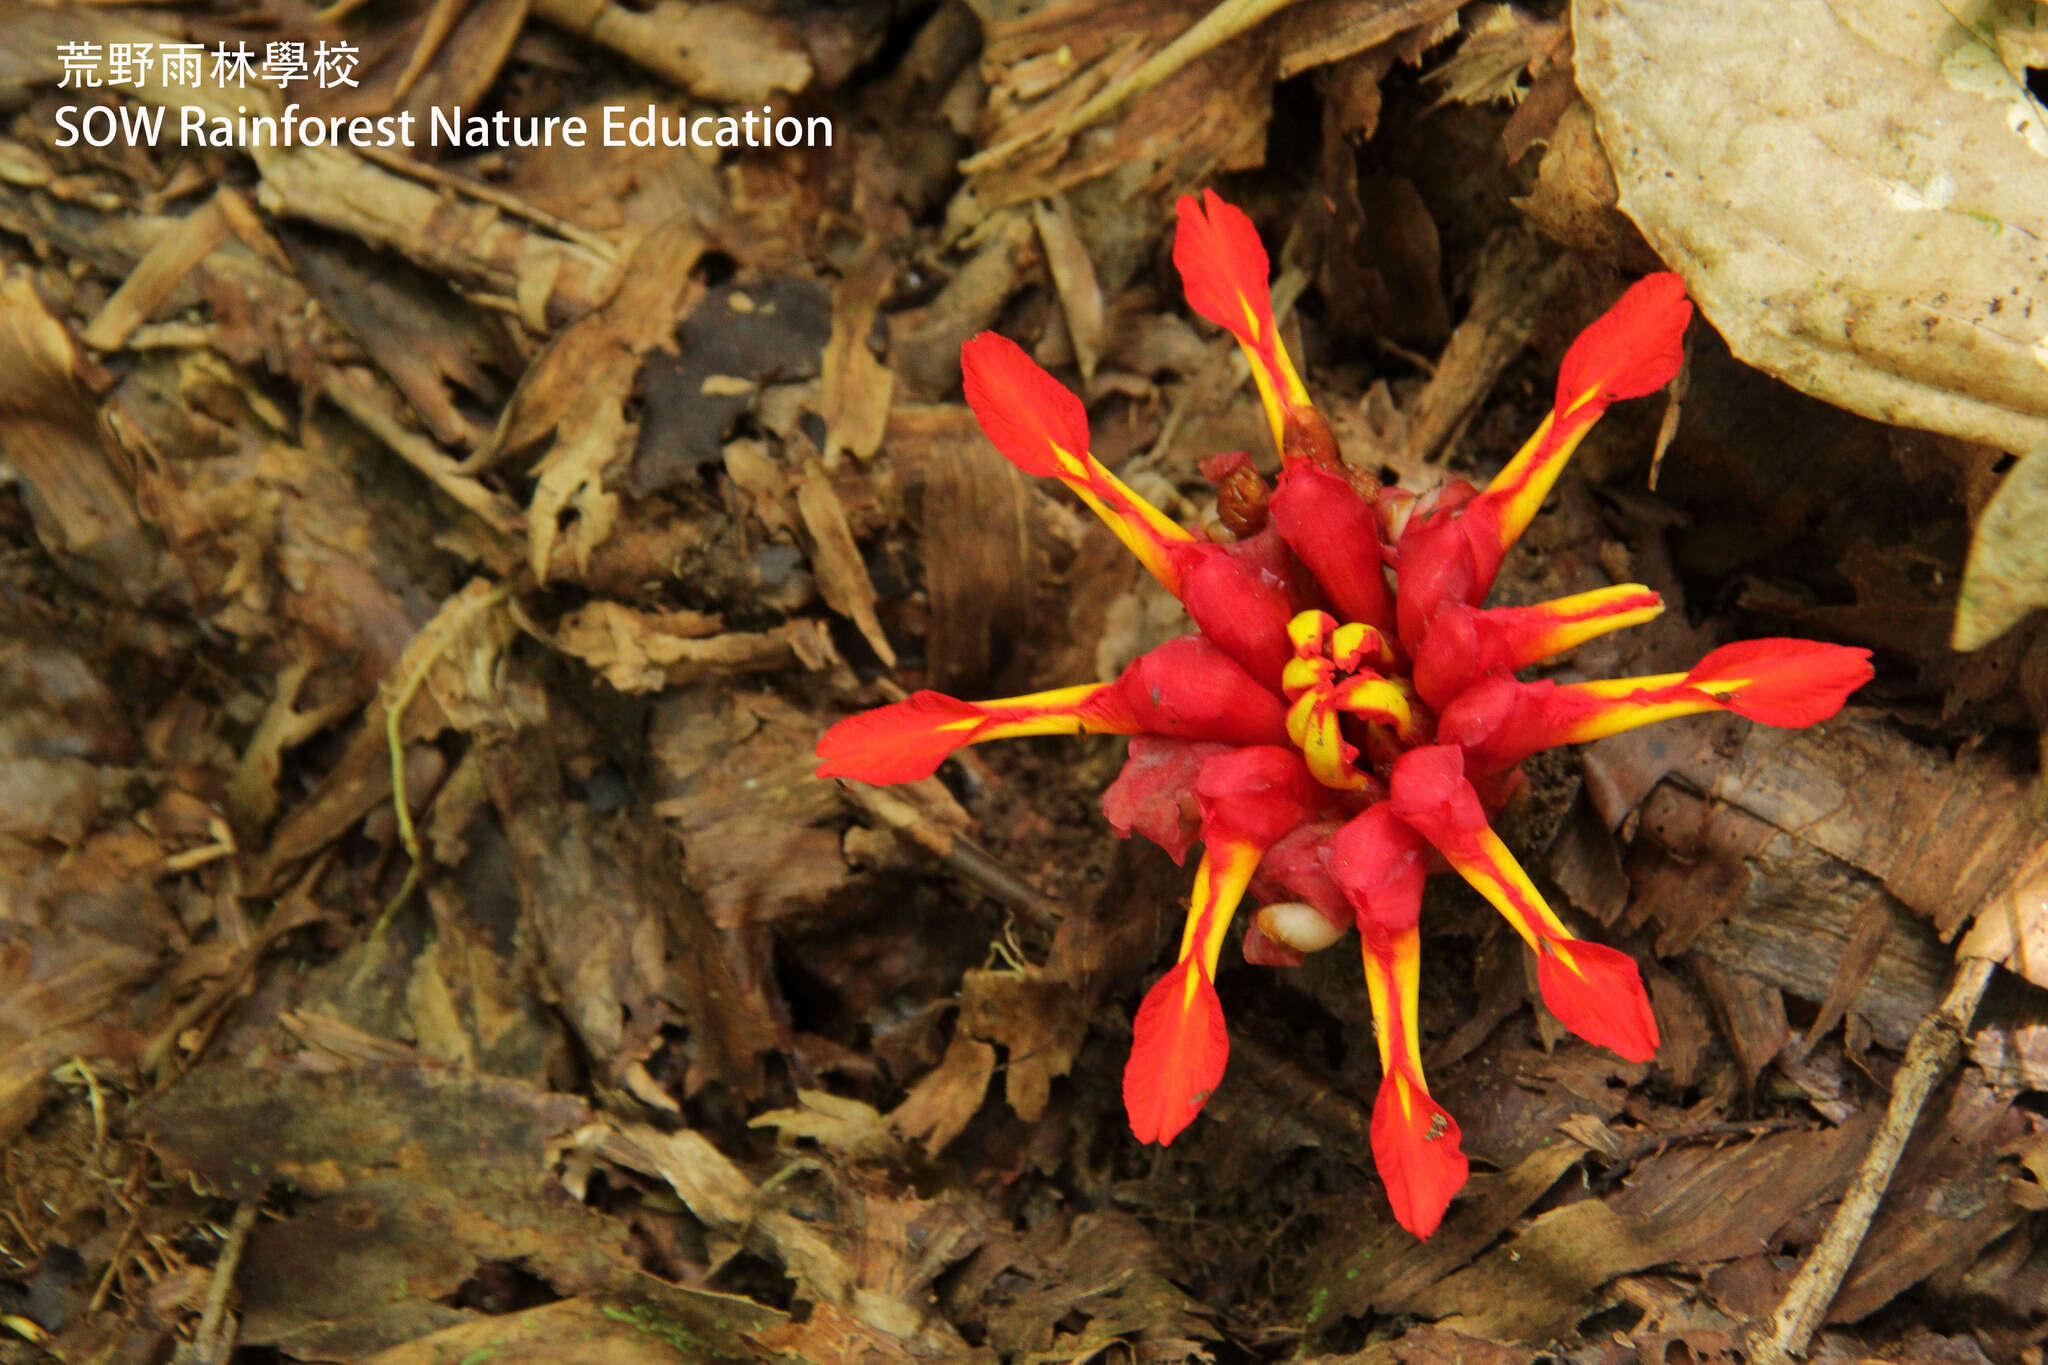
pixel 1221 22
pixel 734 775
pixel 1041 1024
pixel 427 341
pixel 1382 1268
pixel 1750 898
pixel 1687 1204
pixel 854 388
pixel 1110 1278
pixel 157 276
pixel 978 522
pixel 940 1106
pixel 55 986
pixel 83 508
pixel 578 390
pixel 876 1262
pixel 1941 833
pixel 2013 1058
pixel 593 908
pixel 640 651
pixel 1751 1014
pixel 842 1126
pixel 736 344
pixel 1333 30
pixel 842 576
pixel 1073 276
pixel 408 1177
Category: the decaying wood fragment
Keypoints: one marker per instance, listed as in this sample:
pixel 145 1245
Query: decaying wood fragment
pixel 1933 1048
pixel 714 49
pixel 1515 279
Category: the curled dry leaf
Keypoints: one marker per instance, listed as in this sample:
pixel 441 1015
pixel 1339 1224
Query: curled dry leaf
pixel 1907 279
pixel 2007 574
pixel 842 576
pixel 84 511
pixel 1073 275
pixel 2012 928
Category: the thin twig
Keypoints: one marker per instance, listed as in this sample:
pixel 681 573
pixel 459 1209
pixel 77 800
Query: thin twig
pixel 214 1341
pixel 1933 1046
pixel 956 851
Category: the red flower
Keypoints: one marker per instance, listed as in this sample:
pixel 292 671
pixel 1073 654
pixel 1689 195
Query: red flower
pixel 1331 737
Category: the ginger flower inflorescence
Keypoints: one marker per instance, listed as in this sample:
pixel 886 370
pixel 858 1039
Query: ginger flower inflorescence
pixel 1345 718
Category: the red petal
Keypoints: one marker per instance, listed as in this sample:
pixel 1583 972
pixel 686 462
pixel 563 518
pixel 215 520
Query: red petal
pixel 1597 993
pixel 1025 411
pixel 1381 864
pixel 1177 1055
pixel 901 742
pixel 1421 1172
pixel 1334 532
pixel 1785 682
pixel 1223 267
pixel 1190 689
pixel 1464 644
pixel 1154 795
pixel 1430 793
pixel 1448 559
pixel 1256 795
pixel 1634 348
pixel 1497 722
pixel 1237 607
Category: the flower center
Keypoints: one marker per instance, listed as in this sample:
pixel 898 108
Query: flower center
pixel 1336 673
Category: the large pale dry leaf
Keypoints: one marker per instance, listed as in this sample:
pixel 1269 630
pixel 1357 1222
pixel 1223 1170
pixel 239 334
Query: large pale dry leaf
pixel 1859 207
pixel 2007 574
